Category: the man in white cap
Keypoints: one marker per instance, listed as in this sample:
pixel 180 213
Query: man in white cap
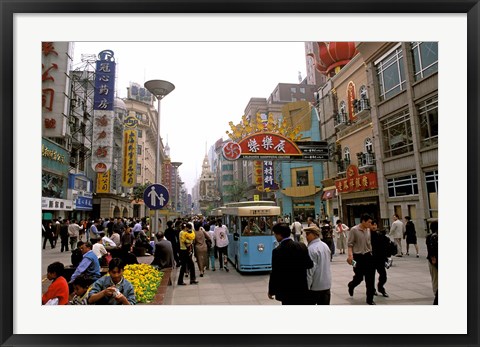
pixel 319 277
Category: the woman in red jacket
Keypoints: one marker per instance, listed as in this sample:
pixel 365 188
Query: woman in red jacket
pixel 59 287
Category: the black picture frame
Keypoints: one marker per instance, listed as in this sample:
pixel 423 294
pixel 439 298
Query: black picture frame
pixel 10 7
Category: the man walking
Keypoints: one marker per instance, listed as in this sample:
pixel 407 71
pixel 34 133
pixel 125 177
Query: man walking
pixel 396 232
pixel 296 229
pixel 380 251
pixel 319 277
pixel 360 251
pixel 290 261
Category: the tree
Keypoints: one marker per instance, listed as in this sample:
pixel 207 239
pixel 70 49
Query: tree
pixel 138 191
pixel 236 191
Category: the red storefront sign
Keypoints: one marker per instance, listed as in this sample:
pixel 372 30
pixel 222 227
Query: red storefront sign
pixel 355 182
pixel 268 144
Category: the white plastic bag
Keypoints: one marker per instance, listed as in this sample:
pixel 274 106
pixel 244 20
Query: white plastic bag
pixel 53 301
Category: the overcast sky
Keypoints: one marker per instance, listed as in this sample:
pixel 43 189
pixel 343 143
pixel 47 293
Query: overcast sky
pixel 213 83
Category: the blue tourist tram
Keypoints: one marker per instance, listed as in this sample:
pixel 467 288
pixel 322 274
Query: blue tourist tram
pixel 251 239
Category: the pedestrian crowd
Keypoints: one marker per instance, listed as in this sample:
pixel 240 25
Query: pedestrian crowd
pixel 300 272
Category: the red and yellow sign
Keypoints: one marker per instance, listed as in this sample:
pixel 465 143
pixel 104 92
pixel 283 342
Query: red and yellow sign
pixel 103 182
pixel 268 144
pixel 356 182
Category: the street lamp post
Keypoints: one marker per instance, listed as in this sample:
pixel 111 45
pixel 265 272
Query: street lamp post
pixel 176 165
pixel 159 89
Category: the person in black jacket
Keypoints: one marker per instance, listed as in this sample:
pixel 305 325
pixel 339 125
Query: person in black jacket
pixel 172 236
pixel 380 252
pixel 290 261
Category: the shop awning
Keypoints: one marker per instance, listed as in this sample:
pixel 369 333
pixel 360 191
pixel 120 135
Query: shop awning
pixel 329 194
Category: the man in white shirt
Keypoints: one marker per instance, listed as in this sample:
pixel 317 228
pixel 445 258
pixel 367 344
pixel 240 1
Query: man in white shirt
pixel 107 242
pixel 319 277
pixel 98 249
pixel 221 241
pixel 396 232
pixel 296 228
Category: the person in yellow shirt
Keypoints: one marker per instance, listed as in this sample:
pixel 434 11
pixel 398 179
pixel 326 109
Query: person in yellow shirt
pixel 186 237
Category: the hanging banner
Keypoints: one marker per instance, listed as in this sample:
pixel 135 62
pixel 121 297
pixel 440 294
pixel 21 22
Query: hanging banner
pixel 56 65
pixel 103 182
pixel 129 172
pixel 103 114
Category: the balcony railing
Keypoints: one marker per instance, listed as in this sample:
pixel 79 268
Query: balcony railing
pixel 366 159
pixel 341 120
pixel 342 165
pixel 360 105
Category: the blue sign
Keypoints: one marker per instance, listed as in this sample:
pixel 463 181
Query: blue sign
pixel 84 203
pixel 156 196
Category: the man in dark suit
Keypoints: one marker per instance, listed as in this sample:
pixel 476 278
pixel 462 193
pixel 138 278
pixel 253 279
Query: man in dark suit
pixel 163 257
pixel 290 261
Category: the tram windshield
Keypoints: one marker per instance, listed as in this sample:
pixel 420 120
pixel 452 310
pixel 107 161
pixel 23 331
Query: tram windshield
pixel 255 226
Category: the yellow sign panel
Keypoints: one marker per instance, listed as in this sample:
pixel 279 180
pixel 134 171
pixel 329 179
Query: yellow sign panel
pixel 129 158
pixel 256 197
pixel 103 182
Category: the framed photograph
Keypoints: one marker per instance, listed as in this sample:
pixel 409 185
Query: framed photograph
pixel 25 25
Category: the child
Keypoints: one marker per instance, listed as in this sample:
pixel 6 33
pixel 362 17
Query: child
pixel 113 289
pixel 59 287
pixel 81 286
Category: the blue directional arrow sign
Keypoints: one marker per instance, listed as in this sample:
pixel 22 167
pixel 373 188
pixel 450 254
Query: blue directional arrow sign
pixel 156 196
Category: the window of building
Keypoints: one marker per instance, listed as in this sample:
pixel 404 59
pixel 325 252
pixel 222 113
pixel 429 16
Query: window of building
pixel 139 133
pixel 139 149
pixel 302 178
pixel 302 90
pixel 431 180
pixel 363 92
pixel 294 99
pixel 391 74
pixel 402 186
pixel 139 169
pixel 227 167
pixel 428 114
pixel 293 89
pixel 368 145
pixel 346 154
pixel 343 107
pixel 425 59
pixel 227 178
pixel 397 134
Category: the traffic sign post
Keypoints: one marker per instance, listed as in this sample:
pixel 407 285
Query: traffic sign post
pixel 156 196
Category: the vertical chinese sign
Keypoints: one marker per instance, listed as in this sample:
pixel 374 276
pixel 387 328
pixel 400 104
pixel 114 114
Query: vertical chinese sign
pixel 351 96
pixel 102 139
pixel 55 68
pixel 129 172
pixel 103 182
pixel 268 176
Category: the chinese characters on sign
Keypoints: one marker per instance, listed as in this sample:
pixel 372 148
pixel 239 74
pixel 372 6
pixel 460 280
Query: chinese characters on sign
pixel 266 146
pixel 55 66
pixel 103 182
pixel 103 114
pixel 129 173
pixel 356 182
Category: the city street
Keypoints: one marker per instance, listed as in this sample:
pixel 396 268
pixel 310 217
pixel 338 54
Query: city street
pixel 408 283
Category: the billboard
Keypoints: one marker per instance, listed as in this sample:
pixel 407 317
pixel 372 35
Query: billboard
pixel 103 114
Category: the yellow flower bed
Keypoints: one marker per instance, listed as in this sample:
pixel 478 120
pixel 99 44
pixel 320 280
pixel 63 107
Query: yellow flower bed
pixel 145 280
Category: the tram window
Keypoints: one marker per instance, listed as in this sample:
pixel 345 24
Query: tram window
pixel 252 228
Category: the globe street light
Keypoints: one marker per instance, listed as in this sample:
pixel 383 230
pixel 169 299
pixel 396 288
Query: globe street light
pixel 159 89
pixel 176 165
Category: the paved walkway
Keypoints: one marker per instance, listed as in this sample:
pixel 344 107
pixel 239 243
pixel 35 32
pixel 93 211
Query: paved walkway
pixel 408 283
